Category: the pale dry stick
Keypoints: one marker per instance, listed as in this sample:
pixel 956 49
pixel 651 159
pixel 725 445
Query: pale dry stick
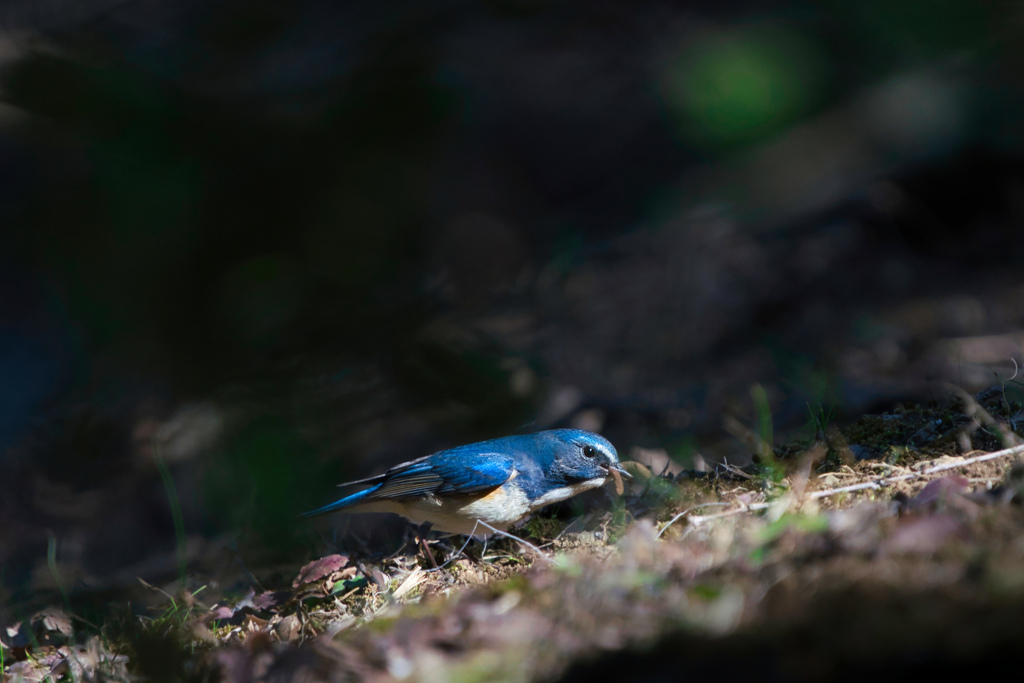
pixel 876 484
pixel 737 471
pixel 753 507
pixel 886 466
pixel 414 579
pixel 686 512
pixel 1014 450
pixel 738 488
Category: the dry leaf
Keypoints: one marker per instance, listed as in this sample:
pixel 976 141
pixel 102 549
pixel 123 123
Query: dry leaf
pixel 289 629
pixel 318 569
pixel 271 599
pixel 940 490
pixel 254 624
pixel 923 535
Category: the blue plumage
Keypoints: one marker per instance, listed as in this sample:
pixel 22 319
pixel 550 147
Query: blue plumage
pixel 498 482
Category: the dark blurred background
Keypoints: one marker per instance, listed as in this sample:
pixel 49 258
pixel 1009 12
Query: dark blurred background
pixel 251 249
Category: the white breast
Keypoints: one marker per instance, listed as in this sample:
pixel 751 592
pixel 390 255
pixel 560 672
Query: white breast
pixel 566 492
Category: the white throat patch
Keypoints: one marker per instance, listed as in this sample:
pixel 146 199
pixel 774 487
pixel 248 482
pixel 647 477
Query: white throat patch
pixel 565 492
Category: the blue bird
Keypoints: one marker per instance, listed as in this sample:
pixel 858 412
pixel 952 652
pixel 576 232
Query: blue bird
pixel 498 482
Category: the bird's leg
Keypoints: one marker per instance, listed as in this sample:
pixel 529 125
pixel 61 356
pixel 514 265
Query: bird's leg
pixel 421 533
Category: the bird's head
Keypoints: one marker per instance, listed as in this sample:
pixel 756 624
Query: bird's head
pixel 585 457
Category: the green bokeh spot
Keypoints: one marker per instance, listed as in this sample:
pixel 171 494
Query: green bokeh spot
pixel 733 89
pixel 257 481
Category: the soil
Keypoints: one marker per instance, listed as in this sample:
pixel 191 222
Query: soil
pixel 774 571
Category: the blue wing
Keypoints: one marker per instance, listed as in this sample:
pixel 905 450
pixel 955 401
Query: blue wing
pixel 459 471
pixel 473 472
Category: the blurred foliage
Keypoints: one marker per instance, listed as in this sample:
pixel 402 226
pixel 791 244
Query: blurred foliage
pixel 735 87
pixel 186 201
pixel 257 485
pixel 364 232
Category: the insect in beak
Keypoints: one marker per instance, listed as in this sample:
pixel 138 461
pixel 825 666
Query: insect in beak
pixel 616 472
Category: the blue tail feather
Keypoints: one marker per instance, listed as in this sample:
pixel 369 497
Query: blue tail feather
pixel 345 502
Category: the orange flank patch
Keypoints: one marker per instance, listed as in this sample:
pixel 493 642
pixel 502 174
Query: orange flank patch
pixel 495 497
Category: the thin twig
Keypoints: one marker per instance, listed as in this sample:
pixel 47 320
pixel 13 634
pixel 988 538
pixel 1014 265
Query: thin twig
pixel 879 483
pixel 732 469
pixel 453 556
pixel 470 537
pixel 875 484
pixel 158 590
pixel 686 512
pixel 753 507
pixel 885 466
pixel 516 538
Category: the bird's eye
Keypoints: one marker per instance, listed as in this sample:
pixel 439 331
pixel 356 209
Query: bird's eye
pixel 589 451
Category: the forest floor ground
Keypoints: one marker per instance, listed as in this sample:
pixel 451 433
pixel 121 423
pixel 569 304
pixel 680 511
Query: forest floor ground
pixel 890 545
